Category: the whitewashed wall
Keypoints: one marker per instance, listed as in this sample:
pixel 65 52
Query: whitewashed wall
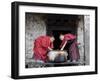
pixel 83 38
pixel 87 37
pixel 35 27
pixel 80 38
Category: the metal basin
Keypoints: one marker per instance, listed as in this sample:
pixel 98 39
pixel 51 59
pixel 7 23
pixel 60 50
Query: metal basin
pixel 54 53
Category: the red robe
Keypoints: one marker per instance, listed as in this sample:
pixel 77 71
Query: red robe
pixel 41 45
pixel 67 37
pixel 73 49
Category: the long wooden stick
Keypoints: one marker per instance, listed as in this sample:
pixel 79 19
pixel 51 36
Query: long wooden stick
pixel 63 45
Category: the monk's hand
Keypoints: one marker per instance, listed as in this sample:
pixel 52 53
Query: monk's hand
pixel 50 48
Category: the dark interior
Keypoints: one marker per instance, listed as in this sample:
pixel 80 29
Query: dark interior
pixel 56 34
pixel 57 24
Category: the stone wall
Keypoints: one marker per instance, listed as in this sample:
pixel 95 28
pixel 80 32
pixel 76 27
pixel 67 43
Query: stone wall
pixel 35 26
pixel 80 37
pixel 87 38
pixel 83 38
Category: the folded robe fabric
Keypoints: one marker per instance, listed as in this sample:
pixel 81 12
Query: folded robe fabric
pixel 74 51
pixel 67 37
pixel 41 45
pixel 73 48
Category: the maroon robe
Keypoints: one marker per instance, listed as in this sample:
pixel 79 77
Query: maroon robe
pixel 74 51
pixel 41 45
pixel 73 48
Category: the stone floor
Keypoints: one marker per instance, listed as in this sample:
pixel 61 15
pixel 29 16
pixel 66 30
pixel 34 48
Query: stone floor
pixel 32 64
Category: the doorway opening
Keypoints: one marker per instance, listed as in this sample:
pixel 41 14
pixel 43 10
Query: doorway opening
pixel 56 34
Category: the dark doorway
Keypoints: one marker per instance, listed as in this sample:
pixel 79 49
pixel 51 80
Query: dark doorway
pixel 56 34
pixel 58 23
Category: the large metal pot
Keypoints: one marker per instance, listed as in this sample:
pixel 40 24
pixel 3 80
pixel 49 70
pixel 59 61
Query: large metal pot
pixel 52 55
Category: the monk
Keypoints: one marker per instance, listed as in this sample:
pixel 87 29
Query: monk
pixel 42 45
pixel 72 46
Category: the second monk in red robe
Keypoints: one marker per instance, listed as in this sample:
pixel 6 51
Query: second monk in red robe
pixel 72 48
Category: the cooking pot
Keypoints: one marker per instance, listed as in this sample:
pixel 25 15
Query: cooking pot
pixel 56 54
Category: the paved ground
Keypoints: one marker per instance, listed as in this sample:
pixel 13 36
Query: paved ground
pixel 32 64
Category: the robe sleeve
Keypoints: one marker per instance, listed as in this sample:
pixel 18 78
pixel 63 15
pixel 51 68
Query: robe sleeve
pixel 51 45
pixel 45 43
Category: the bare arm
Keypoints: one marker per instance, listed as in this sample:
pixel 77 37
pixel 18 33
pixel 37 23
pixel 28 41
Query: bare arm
pixel 49 48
